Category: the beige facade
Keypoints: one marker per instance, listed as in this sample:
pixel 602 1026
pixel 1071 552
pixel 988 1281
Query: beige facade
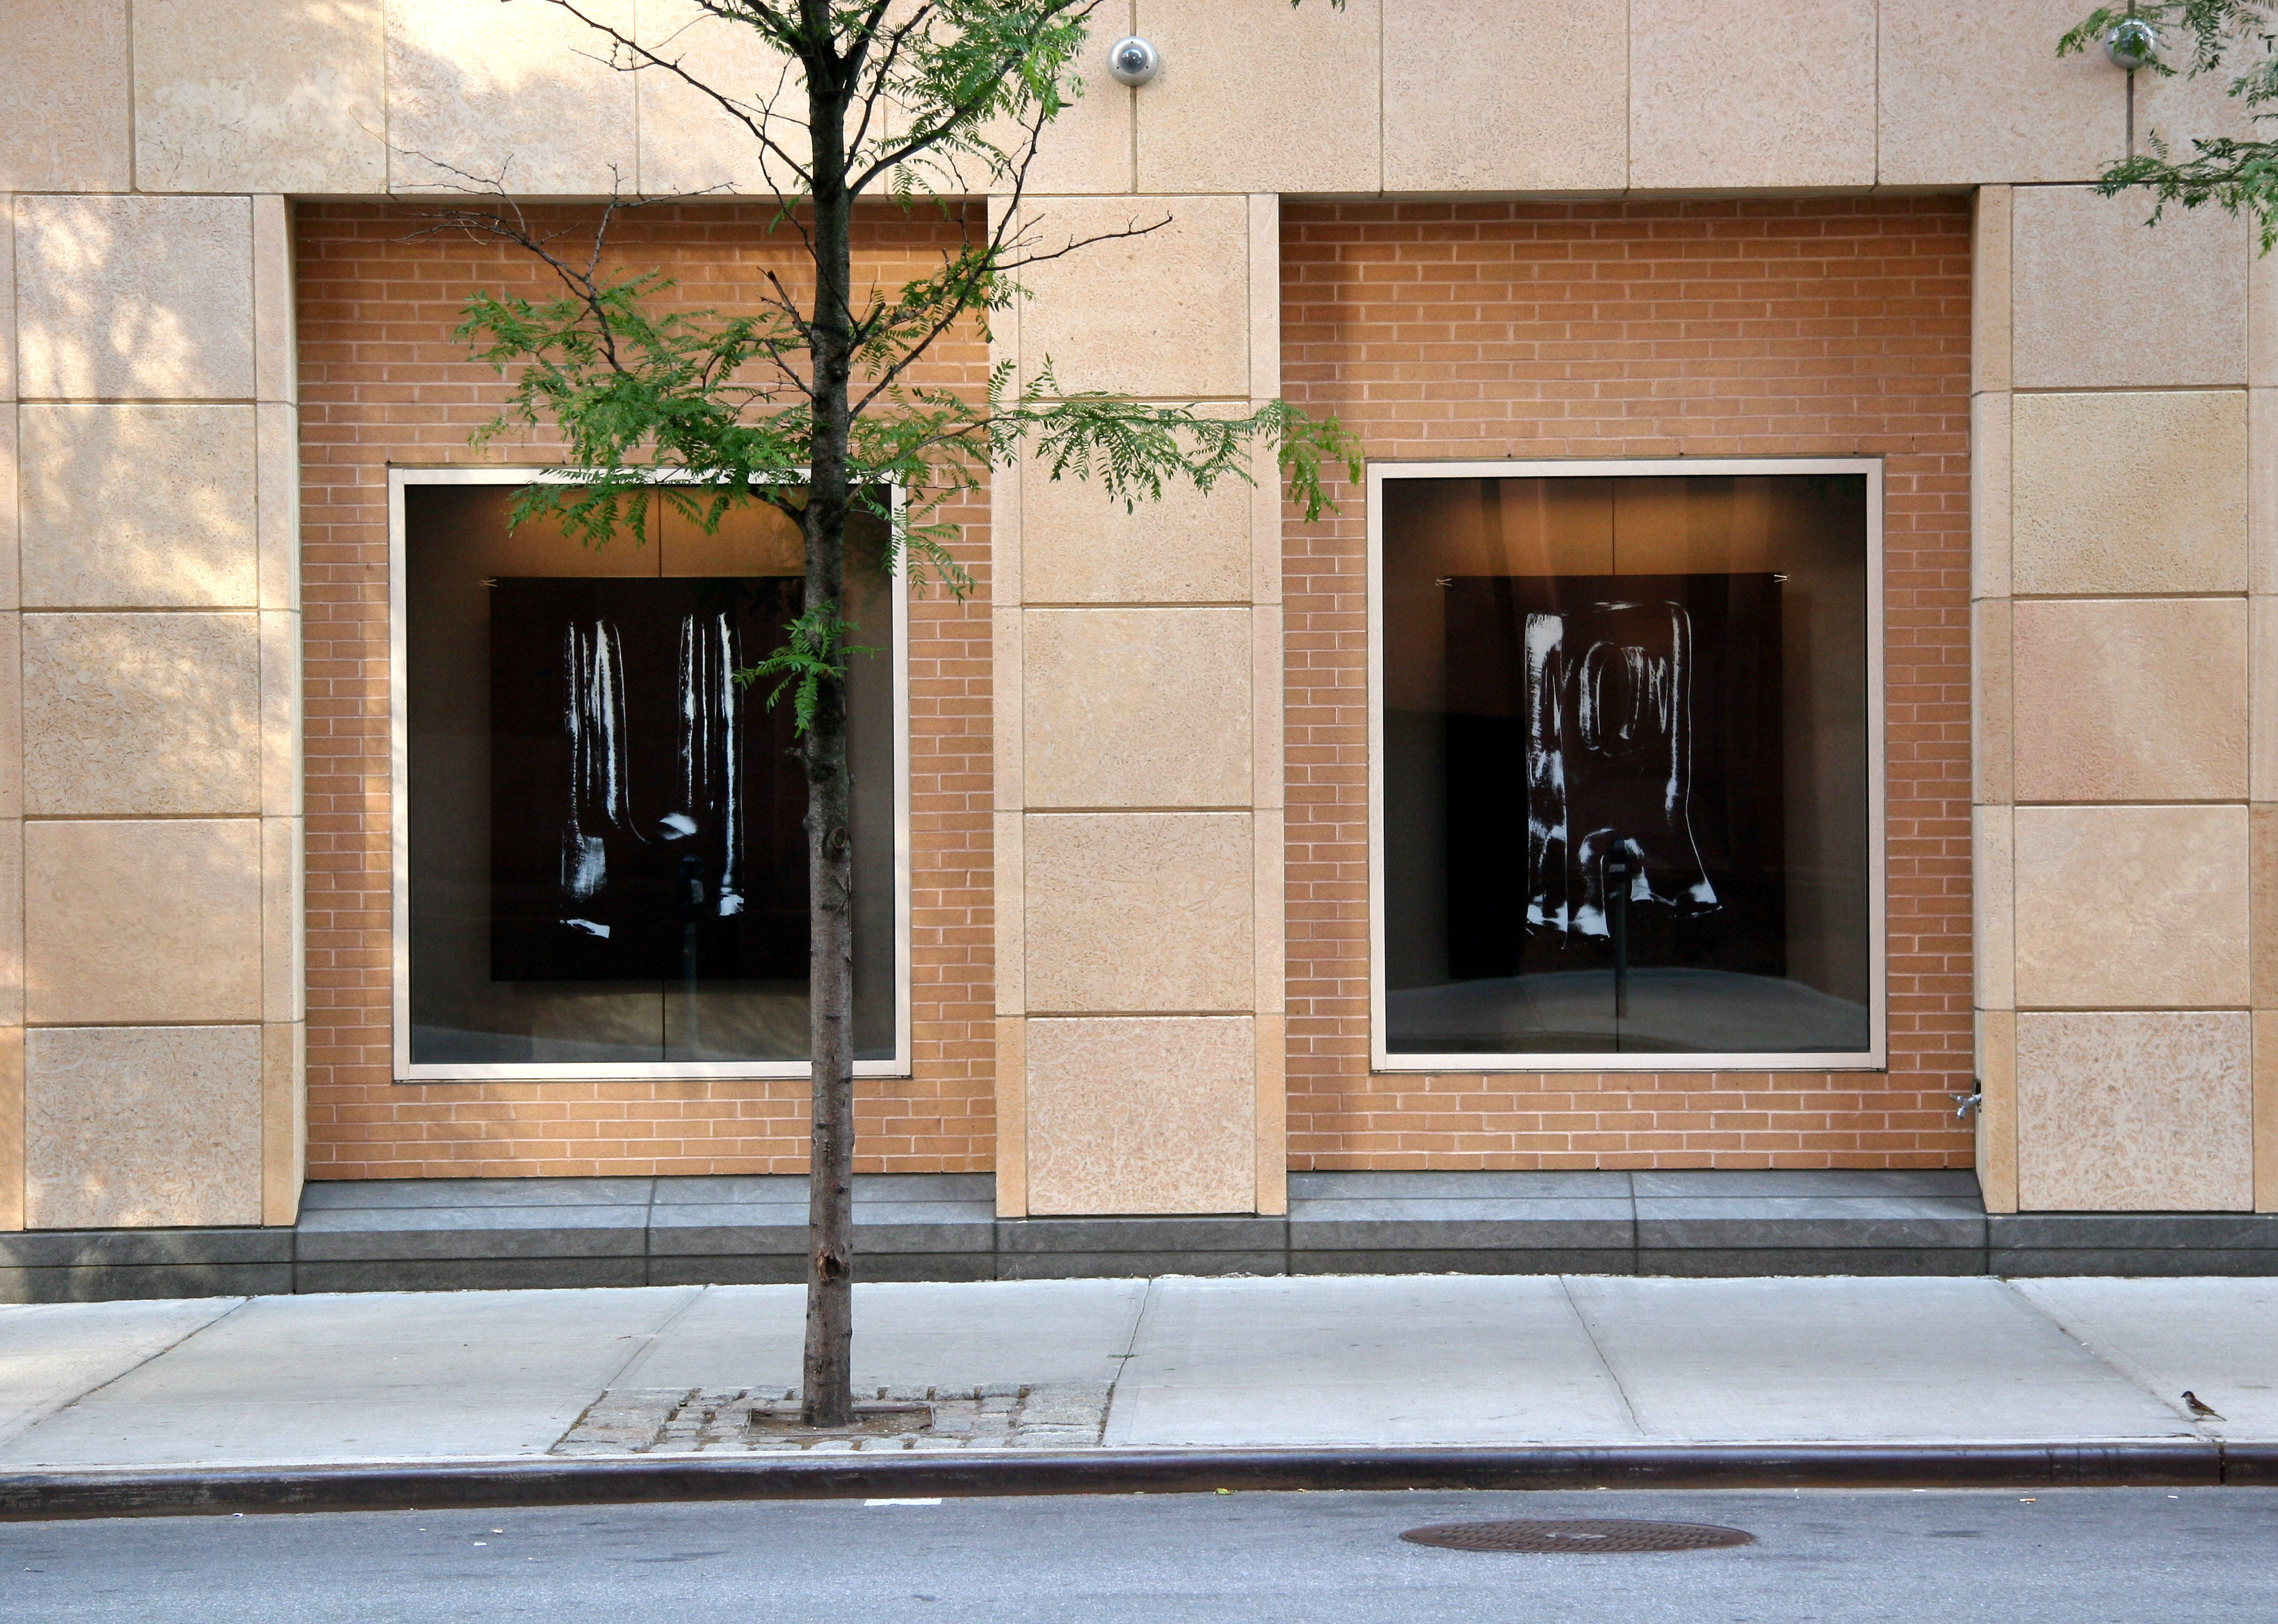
pixel 2124 587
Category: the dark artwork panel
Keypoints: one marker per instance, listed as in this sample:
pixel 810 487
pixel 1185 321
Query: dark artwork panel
pixel 645 811
pixel 1614 774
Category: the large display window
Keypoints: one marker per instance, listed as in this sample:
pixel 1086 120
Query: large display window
pixel 1626 786
pixel 600 861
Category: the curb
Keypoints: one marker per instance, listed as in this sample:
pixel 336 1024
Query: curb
pixel 131 1492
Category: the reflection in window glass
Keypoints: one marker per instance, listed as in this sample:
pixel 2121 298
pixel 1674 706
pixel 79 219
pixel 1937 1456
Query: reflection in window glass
pixel 1625 773
pixel 607 857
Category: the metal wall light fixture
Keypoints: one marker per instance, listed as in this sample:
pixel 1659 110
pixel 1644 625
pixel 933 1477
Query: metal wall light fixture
pixel 2131 44
pixel 1134 61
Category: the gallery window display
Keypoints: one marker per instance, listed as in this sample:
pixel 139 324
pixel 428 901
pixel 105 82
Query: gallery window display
pixel 603 853
pixel 1626 786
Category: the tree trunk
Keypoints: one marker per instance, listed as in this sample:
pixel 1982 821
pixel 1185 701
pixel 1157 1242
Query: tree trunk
pixel 827 1397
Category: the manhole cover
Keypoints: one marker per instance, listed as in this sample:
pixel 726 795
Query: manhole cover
pixel 1580 1535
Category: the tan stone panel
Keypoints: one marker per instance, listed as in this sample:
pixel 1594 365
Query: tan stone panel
pixel 284 1121
pixel 260 96
pixel 1973 93
pixel 1012 1159
pixel 1138 912
pixel 1993 718
pixel 12 1128
pixel 1080 546
pixel 11 923
pixel 2104 301
pixel 2266 1110
pixel 1993 216
pixel 1271 1116
pixel 1011 910
pixel 64 101
pixel 690 143
pixel 1264 311
pixel 1993 876
pixel 1268 667
pixel 141 715
pixel 1466 111
pixel 1996 1110
pixel 1990 496
pixel 2262 677
pixel 2137 1112
pixel 276 504
pixel 1178 324
pixel 1269 918
pixel 1140 1115
pixel 1135 707
pixel 136 507
pixel 142 921
pixel 1087 149
pixel 7 308
pixel 11 716
pixel 281 714
pixel 2262 491
pixel 134 298
pixel 2130 493
pixel 143 1127
pixel 2131 699
pixel 1802 114
pixel 1261 98
pixel 276 342
pixel 2131 906
pixel 283 940
pixel 2262 905
pixel 518 96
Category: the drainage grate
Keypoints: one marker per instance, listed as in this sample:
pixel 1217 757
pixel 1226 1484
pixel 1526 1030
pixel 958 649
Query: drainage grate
pixel 1586 1536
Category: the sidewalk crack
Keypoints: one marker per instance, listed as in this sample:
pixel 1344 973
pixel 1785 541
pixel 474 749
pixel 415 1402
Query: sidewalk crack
pixel 2141 1383
pixel 46 1415
pixel 647 1341
pixel 1123 1360
pixel 1589 1332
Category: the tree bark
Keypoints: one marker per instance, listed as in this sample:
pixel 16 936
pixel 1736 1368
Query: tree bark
pixel 827 1388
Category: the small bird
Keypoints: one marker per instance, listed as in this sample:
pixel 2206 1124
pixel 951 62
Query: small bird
pixel 2199 1409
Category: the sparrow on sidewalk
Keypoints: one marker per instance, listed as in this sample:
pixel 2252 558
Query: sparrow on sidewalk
pixel 2200 1411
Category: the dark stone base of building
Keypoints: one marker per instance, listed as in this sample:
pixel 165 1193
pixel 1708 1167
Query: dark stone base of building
pixel 487 1234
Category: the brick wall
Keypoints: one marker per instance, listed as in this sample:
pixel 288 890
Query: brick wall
pixel 1762 328
pixel 382 381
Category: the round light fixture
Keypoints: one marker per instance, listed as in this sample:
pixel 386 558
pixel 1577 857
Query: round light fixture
pixel 2131 44
pixel 1134 61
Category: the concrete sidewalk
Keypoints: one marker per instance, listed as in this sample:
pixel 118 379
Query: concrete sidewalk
pixel 1224 1363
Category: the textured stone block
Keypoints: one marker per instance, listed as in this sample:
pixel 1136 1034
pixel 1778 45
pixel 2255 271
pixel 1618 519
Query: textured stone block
pixel 1178 324
pixel 1972 93
pixel 134 298
pixel 139 507
pixel 2130 493
pixel 1138 912
pixel 129 715
pixel 142 1126
pixel 2088 271
pixel 260 96
pixel 1078 544
pixel 2131 906
pixel 688 141
pixel 2142 1111
pixel 1261 98
pixel 1803 114
pixel 2131 699
pixel 1465 112
pixel 128 921
pixel 1136 707
pixel 1139 1115
pixel 64 102
pixel 520 95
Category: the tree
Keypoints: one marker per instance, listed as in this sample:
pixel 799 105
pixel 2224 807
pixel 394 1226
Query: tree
pixel 2238 174
pixel 808 406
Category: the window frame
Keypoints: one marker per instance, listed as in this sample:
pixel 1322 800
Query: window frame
pixel 402 477
pixel 1877 1056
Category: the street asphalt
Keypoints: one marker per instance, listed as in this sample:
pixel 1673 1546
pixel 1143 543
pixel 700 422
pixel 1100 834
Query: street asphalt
pixel 2127 1556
